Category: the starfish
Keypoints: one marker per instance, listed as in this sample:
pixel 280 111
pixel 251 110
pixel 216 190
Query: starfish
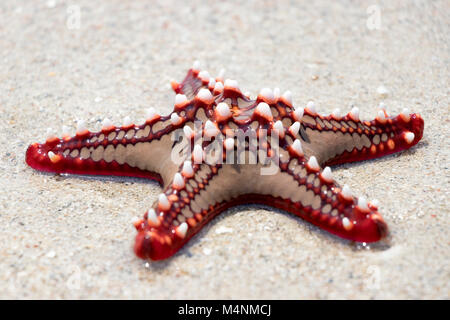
pixel 219 148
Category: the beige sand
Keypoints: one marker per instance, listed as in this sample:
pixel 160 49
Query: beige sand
pixel 71 237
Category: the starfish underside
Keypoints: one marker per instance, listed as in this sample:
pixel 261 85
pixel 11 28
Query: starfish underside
pixel 196 190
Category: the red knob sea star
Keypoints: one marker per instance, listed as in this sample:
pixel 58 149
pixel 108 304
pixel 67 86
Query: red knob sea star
pixel 196 189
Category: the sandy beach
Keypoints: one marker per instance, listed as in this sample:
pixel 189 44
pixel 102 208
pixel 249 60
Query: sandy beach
pixel 71 237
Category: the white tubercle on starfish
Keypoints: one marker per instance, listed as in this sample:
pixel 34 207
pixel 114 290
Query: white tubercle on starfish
pixel 354 114
pixel 327 175
pixel 136 221
pixel 381 116
pixel 211 83
pixel 348 225
pixel 187 170
pixel 81 126
pixel 152 219
pixel 336 113
pixel 65 131
pixel 52 156
pixel 229 143
pixel 196 65
pixel 188 132
pixel 311 106
pixel 362 204
pixel 297 147
pixel 294 128
pixel 211 129
pixel 151 114
pixel 276 93
pixel 163 202
pixel 312 163
pixel 50 132
pixel 346 192
pixel 298 113
pixel 204 75
pixel 223 111
pixel 175 119
pixel 197 154
pixel 264 111
pixel 180 99
pixel 409 137
pixel 205 96
pixel 375 203
pixel 267 95
pixel 405 115
pixel 106 123
pixel 231 84
pixel 127 121
pixel 181 230
pixel 218 87
pixel 287 98
pixel 178 181
pixel 279 129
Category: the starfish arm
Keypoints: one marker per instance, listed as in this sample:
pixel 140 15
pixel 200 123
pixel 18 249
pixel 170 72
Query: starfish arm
pixel 335 140
pixel 131 150
pixel 123 151
pixel 312 194
pixel 192 198
pixel 194 81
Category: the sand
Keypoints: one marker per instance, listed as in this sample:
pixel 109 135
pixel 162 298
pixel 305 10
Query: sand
pixel 71 237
